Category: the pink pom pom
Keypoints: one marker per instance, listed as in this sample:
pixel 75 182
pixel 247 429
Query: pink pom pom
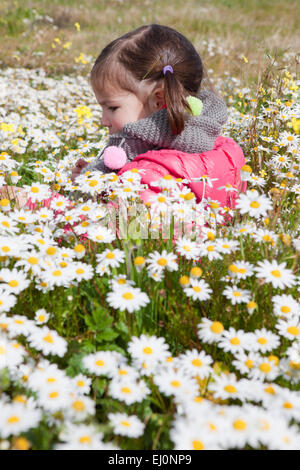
pixel 114 157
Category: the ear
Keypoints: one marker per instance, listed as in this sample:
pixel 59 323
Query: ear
pixel 157 98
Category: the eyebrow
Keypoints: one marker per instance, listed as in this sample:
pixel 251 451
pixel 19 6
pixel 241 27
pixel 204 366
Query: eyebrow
pixel 109 101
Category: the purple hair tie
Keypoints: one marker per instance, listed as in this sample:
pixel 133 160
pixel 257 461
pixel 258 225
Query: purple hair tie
pixel 167 68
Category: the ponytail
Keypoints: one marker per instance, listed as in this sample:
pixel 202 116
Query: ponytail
pixel 176 102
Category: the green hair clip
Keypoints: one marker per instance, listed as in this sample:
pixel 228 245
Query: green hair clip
pixel 195 104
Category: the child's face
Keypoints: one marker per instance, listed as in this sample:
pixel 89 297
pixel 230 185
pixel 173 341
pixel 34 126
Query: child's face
pixel 122 107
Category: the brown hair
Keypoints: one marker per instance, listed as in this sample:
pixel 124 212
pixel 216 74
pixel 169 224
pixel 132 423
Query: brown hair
pixel 141 55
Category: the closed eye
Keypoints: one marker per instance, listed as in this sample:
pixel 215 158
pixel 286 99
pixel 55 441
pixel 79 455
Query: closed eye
pixel 113 108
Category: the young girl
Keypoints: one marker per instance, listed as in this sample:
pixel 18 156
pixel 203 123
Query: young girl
pixel 144 81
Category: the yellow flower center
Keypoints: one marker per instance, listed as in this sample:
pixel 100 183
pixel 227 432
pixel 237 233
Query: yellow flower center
pixel 32 260
pixel 265 367
pixel 13 283
pixel 196 362
pixel 249 363
pixel 239 425
pixel 198 445
pixel 262 340
pixel 100 363
pixel 128 296
pixel 162 261
pixel 125 390
pixel 147 350
pixel 255 204
pixel 53 395
pixel 85 440
pixel 80 271
pixel 125 423
pixel 285 309
pixel 78 405
pixel 139 260
pixel 13 419
pixel 196 271
pixel 235 341
pixel 110 255
pixel 276 273
pixel 287 405
pixel 48 338
pixel 175 383
pixel 51 250
pixel 216 327
pixel 184 280
pixel 230 389
pixel 197 289
pixel 293 330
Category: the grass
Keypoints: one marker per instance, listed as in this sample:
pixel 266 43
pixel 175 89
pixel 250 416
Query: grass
pixel 36 31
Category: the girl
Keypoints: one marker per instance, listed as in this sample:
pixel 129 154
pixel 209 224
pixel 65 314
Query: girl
pixel 144 81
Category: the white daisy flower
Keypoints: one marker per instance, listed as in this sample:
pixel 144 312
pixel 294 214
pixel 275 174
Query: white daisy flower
pixel 148 348
pixel 195 363
pixel 100 363
pixel 41 316
pixel 126 425
pixel 128 390
pixel 198 290
pixel 264 369
pixel 227 386
pixel 48 341
pixel 127 298
pixel 254 204
pixel 111 258
pixel 177 383
pixel 264 340
pixel 236 295
pixel 82 384
pixel 285 306
pixel 210 331
pixel 275 273
pixel 15 418
pixel 187 248
pixel 289 328
pixel 235 341
pixel 157 262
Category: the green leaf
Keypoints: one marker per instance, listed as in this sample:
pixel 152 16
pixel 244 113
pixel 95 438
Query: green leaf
pixel 107 335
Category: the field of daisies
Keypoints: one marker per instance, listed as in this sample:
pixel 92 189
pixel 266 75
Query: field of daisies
pixel 167 325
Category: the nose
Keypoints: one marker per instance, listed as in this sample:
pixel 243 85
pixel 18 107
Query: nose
pixel 104 120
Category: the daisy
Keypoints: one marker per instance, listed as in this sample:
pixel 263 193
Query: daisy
pixel 110 258
pixel 99 234
pixel 185 247
pixel 100 363
pixel 20 325
pixel 10 355
pixel 80 437
pixel 57 276
pixel 82 384
pixel 126 371
pixel 37 191
pixel 264 340
pixel 236 295
pixel 198 290
pixel 195 363
pixel 267 236
pixel 289 328
pixel 227 246
pixel 241 269
pixel 53 399
pixel 7 300
pixel 188 435
pixel 157 262
pixel 210 331
pixel 285 306
pixel 245 361
pixel 211 250
pixel 275 273
pixel 15 418
pixel 128 390
pixel 81 271
pixel 127 298
pixel 15 280
pixel 48 376
pixel 177 383
pixel 264 369
pixel 254 204
pixel 120 281
pixel 9 247
pixel 126 425
pixel 41 316
pixel 80 407
pixel 48 341
pixel 226 386
pixel 235 341
pixel 239 428
pixel 148 348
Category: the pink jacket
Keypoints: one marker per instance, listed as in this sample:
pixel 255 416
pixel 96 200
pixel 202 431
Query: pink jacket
pixel 224 162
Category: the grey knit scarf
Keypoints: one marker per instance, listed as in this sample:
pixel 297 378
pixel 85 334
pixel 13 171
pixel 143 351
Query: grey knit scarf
pixel 154 132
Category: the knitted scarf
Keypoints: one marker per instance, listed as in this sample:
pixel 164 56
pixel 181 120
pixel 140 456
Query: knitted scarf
pixel 154 132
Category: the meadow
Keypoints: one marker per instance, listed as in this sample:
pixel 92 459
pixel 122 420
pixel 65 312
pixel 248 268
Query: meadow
pixel 170 325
